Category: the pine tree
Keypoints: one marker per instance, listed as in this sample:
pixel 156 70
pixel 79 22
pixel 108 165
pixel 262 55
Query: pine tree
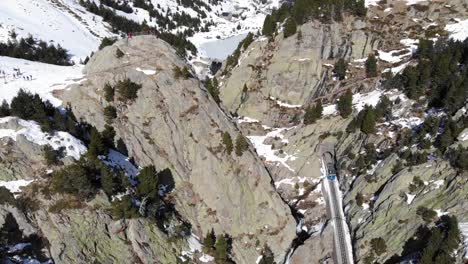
pixel 109 92
pixel 340 68
pixel 221 250
pixel 379 246
pixel 360 8
pixel 51 155
pixel 345 104
pixel 368 121
pixel 384 108
pixel 108 183
pixel 241 145
pixel 209 242
pixel 371 66
pixel 128 90
pixel 148 183
pixel 267 256
pixel 227 141
pixel 119 54
pixel 121 147
pixel 269 26
pixel 96 144
pixel 313 113
pixel 290 27
pixel 212 87
pixel 108 135
pixel 110 113
pixel 4 109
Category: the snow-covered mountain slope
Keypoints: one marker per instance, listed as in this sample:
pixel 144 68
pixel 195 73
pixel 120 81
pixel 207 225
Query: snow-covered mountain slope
pixel 35 77
pixel 62 22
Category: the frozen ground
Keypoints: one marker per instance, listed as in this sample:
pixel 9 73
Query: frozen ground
pixel 44 78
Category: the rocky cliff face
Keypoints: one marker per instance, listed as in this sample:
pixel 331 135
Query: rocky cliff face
pixel 275 80
pixel 175 124
pixel 282 75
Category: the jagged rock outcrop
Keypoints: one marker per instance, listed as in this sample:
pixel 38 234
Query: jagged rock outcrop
pixel 175 124
pixel 316 249
pixel 292 70
pixel 88 234
pixel 20 158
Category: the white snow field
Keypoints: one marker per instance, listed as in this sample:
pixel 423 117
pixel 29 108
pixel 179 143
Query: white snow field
pixel 44 78
pixel 62 22
pixel 32 132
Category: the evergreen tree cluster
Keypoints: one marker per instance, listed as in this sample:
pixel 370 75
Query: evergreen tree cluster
pixel 183 73
pixel 301 11
pixel 441 74
pixel 434 245
pixel 127 90
pixel 119 5
pixel 365 161
pixel 31 107
pixel 84 178
pixel 122 24
pixel 107 42
pixel 367 118
pixel 35 50
pixel 212 87
pixel 220 246
pixel 459 158
pixel 53 156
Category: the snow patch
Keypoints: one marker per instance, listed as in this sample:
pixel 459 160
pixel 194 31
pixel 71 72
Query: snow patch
pixel 147 72
pixel 206 258
pixel 440 212
pixel 32 132
pixel 283 104
pixel 391 57
pixel 15 186
pixel 266 151
pixel 410 198
pixel 246 119
pixel 458 31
